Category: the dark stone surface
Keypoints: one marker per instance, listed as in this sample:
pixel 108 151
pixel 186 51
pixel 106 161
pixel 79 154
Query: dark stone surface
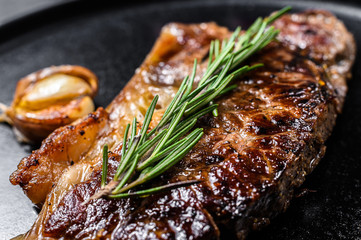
pixel 113 40
pixel 10 10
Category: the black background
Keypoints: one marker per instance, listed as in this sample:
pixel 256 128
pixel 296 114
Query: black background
pixel 112 39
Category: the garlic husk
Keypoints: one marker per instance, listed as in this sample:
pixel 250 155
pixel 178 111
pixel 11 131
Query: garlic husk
pixel 37 125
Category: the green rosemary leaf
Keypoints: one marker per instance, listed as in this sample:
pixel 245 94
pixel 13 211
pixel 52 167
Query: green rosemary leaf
pixel 234 35
pixel 209 98
pixel 147 119
pixel 171 129
pixel 228 89
pixel 191 80
pixel 150 143
pixel 176 155
pixel 210 57
pixel 215 112
pixel 124 147
pixel 268 36
pixel 128 174
pixel 173 105
pixel 197 115
pixel 178 150
pixel 125 161
pixel 144 171
pixel 244 39
pixel 105 166
pixel 272 37
pixel 254 27
pixel 277 14
pixel 181 131
pixel 224 43
pixel 134 130
pixel 199 101
pixel 154 158
pixel 131 142
pixel 216 48
pixel 198 90
pixel 259 33
pixel 217 62
pixel 222 85
pixel 222 74
pixel 244 70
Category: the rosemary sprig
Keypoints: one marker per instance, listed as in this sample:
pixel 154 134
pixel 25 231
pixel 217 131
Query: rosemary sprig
pixel 146 155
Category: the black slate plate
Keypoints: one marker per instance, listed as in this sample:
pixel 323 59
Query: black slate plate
pixel 113 39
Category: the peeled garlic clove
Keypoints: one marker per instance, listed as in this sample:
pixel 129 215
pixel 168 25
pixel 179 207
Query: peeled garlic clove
pixel 54 89
pixel 50 98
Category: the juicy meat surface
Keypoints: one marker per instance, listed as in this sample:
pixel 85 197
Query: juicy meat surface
pixel 269 135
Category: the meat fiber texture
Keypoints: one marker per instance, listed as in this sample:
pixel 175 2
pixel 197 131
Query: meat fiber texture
pixel 269 134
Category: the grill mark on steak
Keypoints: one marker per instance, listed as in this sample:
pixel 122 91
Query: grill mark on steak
pixel 269 135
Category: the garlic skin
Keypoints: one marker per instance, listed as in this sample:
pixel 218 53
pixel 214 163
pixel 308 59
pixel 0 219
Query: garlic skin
pixel 50 98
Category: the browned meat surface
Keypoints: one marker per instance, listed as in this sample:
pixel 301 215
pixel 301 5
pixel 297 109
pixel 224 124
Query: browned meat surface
pixel 65 146
pixel 269 135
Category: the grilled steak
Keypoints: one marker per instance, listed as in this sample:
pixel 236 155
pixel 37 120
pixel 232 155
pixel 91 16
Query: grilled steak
pixel 269 135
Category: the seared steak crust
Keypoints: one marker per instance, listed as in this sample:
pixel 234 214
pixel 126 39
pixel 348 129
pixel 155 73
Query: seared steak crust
pixel 269 135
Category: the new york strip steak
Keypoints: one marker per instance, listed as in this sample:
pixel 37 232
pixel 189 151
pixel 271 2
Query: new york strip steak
pixel 269 134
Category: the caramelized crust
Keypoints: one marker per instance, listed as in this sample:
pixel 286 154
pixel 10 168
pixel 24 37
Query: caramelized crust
pixel 38 173
pixel 269 135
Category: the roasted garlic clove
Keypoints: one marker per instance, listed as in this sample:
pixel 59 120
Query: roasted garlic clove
pixel 50 98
